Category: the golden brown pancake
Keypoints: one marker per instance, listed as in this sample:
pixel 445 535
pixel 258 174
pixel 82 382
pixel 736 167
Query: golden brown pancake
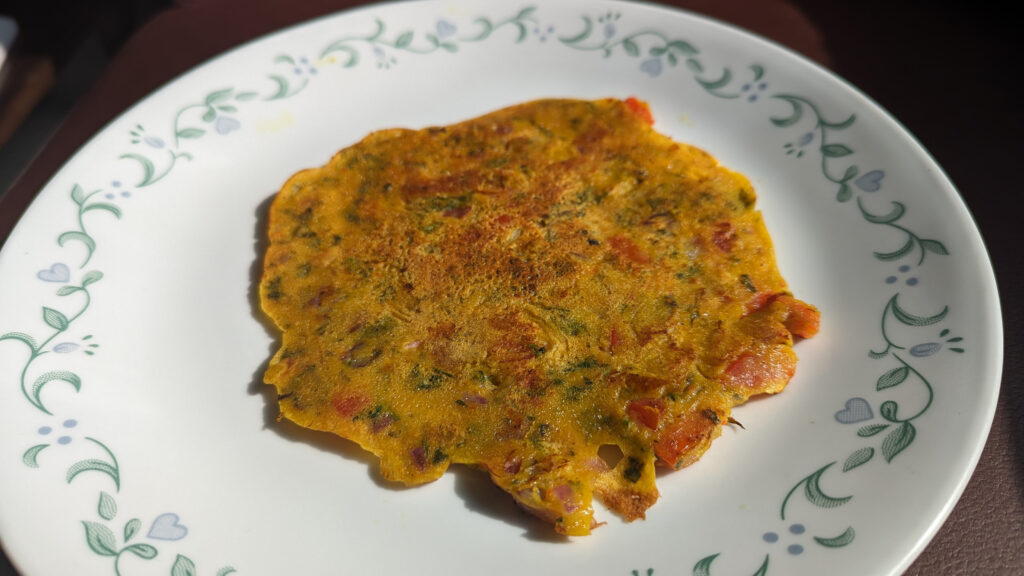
pixel 519 290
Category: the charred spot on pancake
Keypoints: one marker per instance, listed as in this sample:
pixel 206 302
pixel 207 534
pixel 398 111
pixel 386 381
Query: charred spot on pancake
pixel 554 292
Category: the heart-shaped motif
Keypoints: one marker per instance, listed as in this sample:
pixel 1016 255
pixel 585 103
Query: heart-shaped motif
pixel 57 273
pixel 857 410
pixel 651 67
pixel 445 28
pixel 167 527
pixel 226 124
pixel 870 181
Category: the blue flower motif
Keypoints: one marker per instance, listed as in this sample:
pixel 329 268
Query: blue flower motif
pixel 870 181
pixel 609 30
pixel 445 28
pixel 226 124
pixel 116 184
pixel 912 281
pixel 925 349
pixel 752 90
pixel 139 135
pixel 652 67
pixel 799 146
pixel 69 423
pixel 65 347
pixel 542 33
pixel 796 530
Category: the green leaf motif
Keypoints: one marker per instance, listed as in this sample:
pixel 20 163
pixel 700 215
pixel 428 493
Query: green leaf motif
pixel 144 551
pixel 109 468
pixel 82 237
pixel 913 319
pixel 56 375
pixel 91 277
pixel 100 539
pixel 588 26
pixel 404 40
pixel 284 58
pixel 526 12
pixel 851 172
pixel 77 194
pixel 871 430
pixel 838 541
pixel 683 46
pixel 226 570
pixel 888 410
pixel 183 566
pixel 897 254
pixel 282 87
pixel 31 456
pixel 836 150
pixel 723 80
pixel 107 507
pixel 934 246
pixel 893 377
pixel 703 566
pixel 147 167
pixel 92 465
pixel 28 340
pixel 210 115
pixel 898 440
pixel 227 108
pixel 68 290
pixel 844 194
pixel 763 570
pixel 132 528
pixel 898 209
pixel 798 112
pixel 839 125
pixel 55 319
pixel 245 96
pixel 113 209
pixel 191 133
pixel 630 47
pixel 218 95
pixel 815 495
pixel 859 457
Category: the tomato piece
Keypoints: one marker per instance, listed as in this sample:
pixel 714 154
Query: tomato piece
pixel 348 406
pixel 613 341
pixel 802 320
pixel 646 411
pixel 685 439
pixel 723 237
pixel 768 371
pixel 641 109
pixel 760 300
pixel 628 249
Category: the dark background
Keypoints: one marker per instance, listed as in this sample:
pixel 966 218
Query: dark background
pixel 948 71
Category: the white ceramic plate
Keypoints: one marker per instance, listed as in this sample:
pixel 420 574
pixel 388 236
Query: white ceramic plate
pixel 135 435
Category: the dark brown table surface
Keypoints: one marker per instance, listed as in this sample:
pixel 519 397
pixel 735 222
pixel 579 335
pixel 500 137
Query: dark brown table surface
pixel 946 73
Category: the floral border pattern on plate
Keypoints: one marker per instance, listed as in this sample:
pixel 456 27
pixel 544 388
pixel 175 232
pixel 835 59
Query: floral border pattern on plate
pixel 880 423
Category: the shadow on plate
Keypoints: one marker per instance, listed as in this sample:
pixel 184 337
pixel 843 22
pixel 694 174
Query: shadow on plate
pixel 483 497
pixel 271 416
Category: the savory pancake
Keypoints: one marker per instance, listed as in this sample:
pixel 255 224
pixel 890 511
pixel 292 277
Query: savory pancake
pixel 521 291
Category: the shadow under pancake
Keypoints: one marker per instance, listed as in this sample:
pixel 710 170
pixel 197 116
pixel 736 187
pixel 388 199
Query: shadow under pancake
pixel 484 497
pixel 272 420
